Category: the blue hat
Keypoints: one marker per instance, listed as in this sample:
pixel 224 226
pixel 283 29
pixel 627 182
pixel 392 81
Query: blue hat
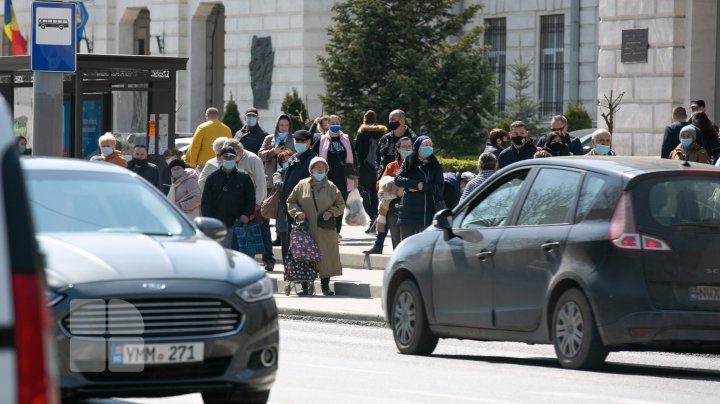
pixel 689 129
pixel 418 142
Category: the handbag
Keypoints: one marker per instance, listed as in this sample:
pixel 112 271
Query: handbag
pixel 302 246
pixel 269 206
pixel 249 238
pixel 321 222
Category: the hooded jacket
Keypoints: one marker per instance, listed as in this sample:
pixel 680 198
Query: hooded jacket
pixel 267 153
pixel 418 206
pixel 366 145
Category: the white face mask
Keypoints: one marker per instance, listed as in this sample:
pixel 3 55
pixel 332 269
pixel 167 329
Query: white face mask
pixel 127 157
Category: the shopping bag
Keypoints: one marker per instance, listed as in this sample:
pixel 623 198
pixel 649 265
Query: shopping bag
pixel 249 238
pixel 354 212
pixel 302 246
pixel 296 270
pixel 269 206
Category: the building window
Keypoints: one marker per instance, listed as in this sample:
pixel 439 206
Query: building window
pixel 495 36
pixel 552 44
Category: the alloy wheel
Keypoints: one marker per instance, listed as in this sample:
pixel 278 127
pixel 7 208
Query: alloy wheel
pixel 405 318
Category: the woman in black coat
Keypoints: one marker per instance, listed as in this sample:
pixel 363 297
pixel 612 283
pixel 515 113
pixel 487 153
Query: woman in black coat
pixel 422 178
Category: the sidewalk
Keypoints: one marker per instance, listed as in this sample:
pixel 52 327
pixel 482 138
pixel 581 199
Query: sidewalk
pixel 357 291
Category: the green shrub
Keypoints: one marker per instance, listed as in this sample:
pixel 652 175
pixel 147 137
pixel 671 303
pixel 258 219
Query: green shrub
pixel 504 124
pixel 294 106
pixel 578 118
pixel 451 165
pixel 231 116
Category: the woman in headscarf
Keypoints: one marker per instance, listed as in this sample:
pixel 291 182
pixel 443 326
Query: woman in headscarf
pixel 688 149
pixel 314 198
pixel 422 178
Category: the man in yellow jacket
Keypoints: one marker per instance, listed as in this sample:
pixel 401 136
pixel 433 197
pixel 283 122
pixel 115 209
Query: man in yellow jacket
pixel 200 149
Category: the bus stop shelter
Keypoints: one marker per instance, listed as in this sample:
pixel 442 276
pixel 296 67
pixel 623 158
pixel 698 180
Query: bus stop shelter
pixel 88 101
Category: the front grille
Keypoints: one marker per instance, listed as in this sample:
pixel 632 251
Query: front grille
pixel 152 318
pixel 211 367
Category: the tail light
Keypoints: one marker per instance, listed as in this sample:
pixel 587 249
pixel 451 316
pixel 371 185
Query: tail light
pixel 623 233
pixel 34 382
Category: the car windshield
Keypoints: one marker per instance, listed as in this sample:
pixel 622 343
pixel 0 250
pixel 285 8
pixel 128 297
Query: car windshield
pixel 72 201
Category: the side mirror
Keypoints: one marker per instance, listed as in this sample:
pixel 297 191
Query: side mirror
pixel 443 221
pixel 211 227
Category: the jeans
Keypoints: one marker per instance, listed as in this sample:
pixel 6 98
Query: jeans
pixel 267 241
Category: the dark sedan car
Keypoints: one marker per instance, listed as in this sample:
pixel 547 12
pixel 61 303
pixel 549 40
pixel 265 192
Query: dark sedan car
pixel 144 303
pixel 591 254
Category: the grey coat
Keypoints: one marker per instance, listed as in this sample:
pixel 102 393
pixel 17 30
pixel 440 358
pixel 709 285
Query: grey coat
pixel 269 158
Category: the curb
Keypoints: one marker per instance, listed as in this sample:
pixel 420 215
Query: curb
pixel 352 260
pixel 331 315
pixel 351 289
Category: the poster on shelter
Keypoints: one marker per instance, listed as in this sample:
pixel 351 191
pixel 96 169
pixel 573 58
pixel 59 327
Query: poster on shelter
pixel 92 125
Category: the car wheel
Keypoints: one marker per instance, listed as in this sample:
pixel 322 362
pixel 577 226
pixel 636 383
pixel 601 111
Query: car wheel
pixel 234 397
pixel 409 323
pixel 574 333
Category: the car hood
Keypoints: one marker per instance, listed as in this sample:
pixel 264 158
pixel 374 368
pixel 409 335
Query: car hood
pixel 73 258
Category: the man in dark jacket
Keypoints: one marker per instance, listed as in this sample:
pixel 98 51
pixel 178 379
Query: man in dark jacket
pixel 251 135
pixel 671 138
pixel 386 145
pixel 298 169
pixel 366 146
pixel 455 184
pixel 559 123
pixel 144 168
pixel 229 195
pixel 522 147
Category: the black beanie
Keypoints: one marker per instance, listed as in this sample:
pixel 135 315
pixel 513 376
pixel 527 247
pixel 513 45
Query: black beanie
pixel 176 163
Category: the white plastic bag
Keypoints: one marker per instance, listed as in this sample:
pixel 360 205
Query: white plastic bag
pixel 354 212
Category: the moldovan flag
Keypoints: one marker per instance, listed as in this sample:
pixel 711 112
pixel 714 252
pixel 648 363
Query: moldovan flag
pixel 12 30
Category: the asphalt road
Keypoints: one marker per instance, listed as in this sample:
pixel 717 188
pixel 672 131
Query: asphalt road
pixel 332 363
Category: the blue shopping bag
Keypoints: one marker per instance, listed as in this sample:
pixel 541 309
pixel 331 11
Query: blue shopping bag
pixel 249 238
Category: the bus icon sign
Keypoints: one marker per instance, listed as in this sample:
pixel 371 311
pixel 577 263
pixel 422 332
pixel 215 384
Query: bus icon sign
pixel 53 23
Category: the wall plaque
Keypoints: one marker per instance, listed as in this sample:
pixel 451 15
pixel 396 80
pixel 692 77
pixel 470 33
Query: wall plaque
pixel 634 46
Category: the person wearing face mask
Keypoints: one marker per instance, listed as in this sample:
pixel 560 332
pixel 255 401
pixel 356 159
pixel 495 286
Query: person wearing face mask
pixel 335 147
pixel 213 164
pixel 555 144
pixel 229 196
pixel 313 197
pixel 22 145
pixel 388 208
pixel 688 149
pixel 250 163
pixel 127 152
pixel 559 123
pixel 140 165
pixel 297 169
pixel 165 178
pixel 422 178
pixel 499 140
pixel 275 144
pixel 186 193
pixel 251 135
pixel 601 143
pixel 386 146
pixel 108 153
pixel 522 147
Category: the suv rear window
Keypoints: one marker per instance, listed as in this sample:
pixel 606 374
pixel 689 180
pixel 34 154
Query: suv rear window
pixel 685 200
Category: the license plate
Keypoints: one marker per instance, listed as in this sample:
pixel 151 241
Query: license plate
pixel 147 354
pixel 704 293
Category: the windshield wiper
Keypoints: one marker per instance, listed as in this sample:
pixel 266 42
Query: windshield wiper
pixel 125 230
pixel 149 233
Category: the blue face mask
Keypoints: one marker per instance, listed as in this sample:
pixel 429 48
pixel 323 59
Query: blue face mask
pixel 282 136
pixel 426 151
pixel 334 128
pixel 228 164
pixel 300 147
pixel 251 120
pixel 686 142
pixel 319 176
pixel 22 149
pixel 106 150
pixel 405 153
pixel 602 149
pixel 285 165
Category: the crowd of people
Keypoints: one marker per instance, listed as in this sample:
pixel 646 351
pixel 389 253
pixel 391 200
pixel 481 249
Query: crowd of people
pixel 312 172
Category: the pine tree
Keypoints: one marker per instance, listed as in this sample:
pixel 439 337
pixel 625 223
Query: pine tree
pixel 231 116
pixel 523 107
pixel 416 55
pixel 294 106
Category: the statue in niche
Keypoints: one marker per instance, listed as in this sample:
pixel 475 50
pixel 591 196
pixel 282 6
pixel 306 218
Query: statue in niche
pixel 261 65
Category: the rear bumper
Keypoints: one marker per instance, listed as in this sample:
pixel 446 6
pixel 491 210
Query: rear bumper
pixel 670 330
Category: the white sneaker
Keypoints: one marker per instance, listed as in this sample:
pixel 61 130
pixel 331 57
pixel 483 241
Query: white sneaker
pixel 339 238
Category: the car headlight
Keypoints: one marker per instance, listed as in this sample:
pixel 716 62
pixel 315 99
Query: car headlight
pixel 53 297
pixel 261 289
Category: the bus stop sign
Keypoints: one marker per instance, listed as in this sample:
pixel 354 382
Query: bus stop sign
pixel 54 37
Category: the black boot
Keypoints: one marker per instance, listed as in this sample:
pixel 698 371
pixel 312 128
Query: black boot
pixel 325 286
pixel 305 290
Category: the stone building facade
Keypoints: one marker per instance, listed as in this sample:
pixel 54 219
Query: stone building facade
pixel 573 47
